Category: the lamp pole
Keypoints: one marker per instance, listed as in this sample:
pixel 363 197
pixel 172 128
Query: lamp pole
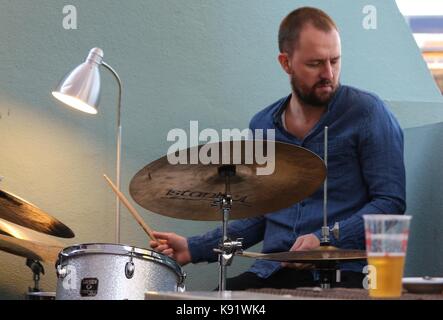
pixel 119 147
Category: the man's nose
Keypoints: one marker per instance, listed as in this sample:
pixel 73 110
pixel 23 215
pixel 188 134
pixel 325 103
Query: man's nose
pixel 327 72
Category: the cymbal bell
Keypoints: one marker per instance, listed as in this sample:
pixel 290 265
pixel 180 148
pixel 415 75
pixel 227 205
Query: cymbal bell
pixel 320 254
pixel 24 213
pixel 186 191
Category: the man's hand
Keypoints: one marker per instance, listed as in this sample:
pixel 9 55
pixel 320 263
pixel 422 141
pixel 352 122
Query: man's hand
pixel 306 242
pixel 172 245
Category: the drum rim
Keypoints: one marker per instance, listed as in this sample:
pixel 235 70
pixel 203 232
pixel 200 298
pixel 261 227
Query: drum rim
pixel 121 250
pixel 41 293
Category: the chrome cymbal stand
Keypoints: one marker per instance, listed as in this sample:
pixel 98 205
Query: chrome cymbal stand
pixel 36 268
pixel 227 248
pixel 324 241
pixel 328 270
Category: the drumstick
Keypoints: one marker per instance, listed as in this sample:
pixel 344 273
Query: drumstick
pixel 134 212
pixel 251 254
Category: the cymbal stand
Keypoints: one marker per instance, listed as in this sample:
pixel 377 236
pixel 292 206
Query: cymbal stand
pixel 227 248
pixel 329 271
pixel 36 268
pixel 324 241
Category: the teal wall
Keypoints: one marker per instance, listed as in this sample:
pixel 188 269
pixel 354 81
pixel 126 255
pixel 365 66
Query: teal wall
pixel 211 61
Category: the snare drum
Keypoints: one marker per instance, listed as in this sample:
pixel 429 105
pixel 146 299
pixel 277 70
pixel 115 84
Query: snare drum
pixel 114 272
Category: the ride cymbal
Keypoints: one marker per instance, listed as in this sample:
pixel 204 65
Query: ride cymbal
pixel 186 191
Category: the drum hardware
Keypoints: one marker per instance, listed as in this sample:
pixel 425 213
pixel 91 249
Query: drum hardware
pixel 130 267
pixel 61 270
pixel 226 252
pixel 36 268
pixel 329 271
pixel 35 293
pixel 227 248
pixel 324 241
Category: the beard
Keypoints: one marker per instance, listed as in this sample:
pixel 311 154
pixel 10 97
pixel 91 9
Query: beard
pixel 309 96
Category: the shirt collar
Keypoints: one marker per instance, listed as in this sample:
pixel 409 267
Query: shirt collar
pixel 281 107
pixel 277 116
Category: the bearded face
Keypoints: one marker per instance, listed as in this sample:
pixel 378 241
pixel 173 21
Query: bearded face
pixel 314 66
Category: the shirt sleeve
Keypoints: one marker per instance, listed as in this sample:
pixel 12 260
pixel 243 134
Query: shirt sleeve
pixel 251 230
pixel 382 166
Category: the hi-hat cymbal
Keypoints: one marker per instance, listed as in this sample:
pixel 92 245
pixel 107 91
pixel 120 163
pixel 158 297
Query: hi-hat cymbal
pixel 28 243
pixel 30 249
pixel 312 256
pixel 186 191
pixel 24 213
pixel 13 230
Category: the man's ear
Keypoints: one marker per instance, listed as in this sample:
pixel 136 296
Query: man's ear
pixel 284 62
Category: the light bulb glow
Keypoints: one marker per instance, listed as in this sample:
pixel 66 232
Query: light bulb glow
pixel 74 102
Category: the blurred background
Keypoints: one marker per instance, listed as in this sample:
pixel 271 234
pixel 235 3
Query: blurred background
pixel 425 18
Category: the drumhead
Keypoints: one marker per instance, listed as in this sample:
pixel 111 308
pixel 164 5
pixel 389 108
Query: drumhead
pixel 122 250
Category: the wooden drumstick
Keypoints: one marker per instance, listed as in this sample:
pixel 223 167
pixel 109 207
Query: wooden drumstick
pixel 134 212
pixel 251 254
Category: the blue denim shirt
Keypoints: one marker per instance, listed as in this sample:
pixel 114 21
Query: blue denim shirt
pixel 366 175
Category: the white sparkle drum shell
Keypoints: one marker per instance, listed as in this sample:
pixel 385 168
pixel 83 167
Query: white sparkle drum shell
pixel 114 272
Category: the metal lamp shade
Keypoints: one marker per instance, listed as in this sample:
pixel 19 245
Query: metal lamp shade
pixel 80 88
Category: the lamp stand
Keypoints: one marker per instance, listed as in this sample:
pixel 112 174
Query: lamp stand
pixel 119 146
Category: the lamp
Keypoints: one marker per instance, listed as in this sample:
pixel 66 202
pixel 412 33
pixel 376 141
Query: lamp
pixel 80 89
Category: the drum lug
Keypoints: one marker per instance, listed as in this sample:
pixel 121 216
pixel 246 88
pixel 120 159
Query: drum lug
pixel 129 269
pixel 181 283
pixel 181 288
pixel 61 271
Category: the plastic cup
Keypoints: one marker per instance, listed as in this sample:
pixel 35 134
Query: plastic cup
pixel 386 243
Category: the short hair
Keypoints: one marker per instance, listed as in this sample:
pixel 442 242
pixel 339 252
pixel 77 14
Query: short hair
pixel 293 24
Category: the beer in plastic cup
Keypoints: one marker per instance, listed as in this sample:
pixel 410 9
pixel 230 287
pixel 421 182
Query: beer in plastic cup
pixel 386 244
